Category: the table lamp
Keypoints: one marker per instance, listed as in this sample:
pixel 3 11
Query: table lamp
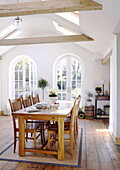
pixel 102 82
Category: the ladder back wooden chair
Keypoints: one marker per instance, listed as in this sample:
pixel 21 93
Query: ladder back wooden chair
pixel 16 105
pixel 68 129
pixel 36 99
pixel 67 120
pixel 28 102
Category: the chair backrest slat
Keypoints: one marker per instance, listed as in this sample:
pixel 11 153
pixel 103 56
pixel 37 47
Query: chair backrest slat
pixel 15 104
pixel 26 102
pixel 36 99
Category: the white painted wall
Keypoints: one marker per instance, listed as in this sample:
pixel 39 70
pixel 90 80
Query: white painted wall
pixel 115 87
pixel 113 90
pixel 118 83
pixel 45 56
pixel 0 82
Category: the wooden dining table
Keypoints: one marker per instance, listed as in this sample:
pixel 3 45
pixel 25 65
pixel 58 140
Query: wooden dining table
pixel 50 115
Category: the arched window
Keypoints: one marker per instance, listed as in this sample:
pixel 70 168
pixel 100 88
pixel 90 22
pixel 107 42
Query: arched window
pixel 68 77
pixel 23 77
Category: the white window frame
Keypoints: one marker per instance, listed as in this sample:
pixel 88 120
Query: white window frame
pixel 12 74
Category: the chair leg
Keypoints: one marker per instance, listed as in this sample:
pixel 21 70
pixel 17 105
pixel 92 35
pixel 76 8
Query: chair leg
pixel 48 139
pixel 55 136
pixel 77 124
pixel 26 136
pixel 43 133
pixel 14 142
pixel 75 133
pixel 71 143
pixel 34 139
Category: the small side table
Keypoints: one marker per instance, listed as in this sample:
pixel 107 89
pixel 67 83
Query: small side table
pixel 100 98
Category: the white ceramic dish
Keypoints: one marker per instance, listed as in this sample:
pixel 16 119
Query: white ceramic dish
pixel 41 105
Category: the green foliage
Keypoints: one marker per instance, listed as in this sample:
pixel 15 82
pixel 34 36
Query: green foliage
pixel 42 83
pixel 81 113
pixel 98 88
pixel 80 110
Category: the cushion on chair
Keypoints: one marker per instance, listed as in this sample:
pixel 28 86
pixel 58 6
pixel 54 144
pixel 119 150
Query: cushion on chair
pixel 55 127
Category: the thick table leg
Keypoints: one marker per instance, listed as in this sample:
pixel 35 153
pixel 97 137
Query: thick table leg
pixel 60 138
pixel 21 136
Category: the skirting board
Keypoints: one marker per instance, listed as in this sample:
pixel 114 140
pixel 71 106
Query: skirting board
pixel 1 112
pixel 116 140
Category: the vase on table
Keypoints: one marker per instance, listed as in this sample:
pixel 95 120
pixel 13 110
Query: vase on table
pixel 53 98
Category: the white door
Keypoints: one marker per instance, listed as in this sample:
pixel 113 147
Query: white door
pixel 24 78
pixel 68 78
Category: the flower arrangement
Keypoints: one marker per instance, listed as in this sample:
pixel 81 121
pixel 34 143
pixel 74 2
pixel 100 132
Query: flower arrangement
pixel 52 92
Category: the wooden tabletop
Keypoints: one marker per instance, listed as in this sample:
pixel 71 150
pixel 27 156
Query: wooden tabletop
pixel 62 110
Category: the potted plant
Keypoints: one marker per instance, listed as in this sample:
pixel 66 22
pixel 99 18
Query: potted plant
pixel 42 83
pixel 81 113
pixel 53 94
pixel 89 97
pixel 98 90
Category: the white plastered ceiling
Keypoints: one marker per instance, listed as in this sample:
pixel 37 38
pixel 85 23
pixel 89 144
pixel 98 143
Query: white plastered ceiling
pixel 99 25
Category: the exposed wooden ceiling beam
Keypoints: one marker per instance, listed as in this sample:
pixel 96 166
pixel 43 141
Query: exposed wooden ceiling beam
pixel 106 59
pixel 9 34
pixel 45 40
pixel 46 7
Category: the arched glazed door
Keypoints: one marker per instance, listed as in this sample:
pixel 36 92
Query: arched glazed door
pixel 23 77
pixel 68 78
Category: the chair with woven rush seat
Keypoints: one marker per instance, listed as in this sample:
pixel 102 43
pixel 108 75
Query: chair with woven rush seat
pixel 28 102
pixel 68 129
pixel 67 120
pixel 16 105
pixel 35 100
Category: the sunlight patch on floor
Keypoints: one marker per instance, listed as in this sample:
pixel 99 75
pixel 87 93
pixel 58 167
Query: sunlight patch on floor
pixel 102 130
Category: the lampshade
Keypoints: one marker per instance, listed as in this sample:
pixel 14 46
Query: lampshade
pixel 102 81
pixel 17 22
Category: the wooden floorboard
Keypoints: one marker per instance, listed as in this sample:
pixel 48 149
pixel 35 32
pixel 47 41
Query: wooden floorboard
pixel 92 154
pixel 98 149
pixel 111 148
pixel 102 150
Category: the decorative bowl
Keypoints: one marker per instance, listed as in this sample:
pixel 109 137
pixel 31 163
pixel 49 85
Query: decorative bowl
pixel 41 105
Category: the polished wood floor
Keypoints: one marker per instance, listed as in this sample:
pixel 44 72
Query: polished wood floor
pixel 98 151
